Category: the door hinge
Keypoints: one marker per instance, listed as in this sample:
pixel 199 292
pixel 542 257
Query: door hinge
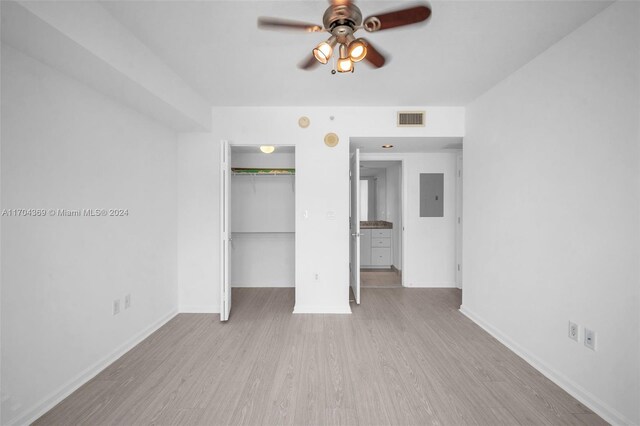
pixel 458 266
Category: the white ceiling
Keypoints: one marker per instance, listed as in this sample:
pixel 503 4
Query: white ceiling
pixel 465 49
pixel 406 144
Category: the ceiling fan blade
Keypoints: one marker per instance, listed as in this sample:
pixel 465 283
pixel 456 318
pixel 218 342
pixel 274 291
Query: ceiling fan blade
pixel 308 63
pixel 398 18
pixel 268 23
pixel 374 57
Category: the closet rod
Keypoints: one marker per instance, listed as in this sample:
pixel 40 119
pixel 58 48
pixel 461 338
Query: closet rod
pixel 259 172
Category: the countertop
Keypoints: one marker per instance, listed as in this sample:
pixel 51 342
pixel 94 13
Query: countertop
pixel 375 224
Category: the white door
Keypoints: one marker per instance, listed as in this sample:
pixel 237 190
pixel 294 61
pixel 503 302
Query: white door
pixel 459 224
pixel 225 230
pixel 354 225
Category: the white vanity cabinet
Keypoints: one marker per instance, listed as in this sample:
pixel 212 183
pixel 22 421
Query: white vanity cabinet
pixel 365 247
pixel 375 248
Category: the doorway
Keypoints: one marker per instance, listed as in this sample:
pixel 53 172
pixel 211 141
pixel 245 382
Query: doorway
pixel 259 214
pixel 381 224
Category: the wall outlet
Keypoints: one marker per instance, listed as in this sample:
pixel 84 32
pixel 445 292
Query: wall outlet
pixel 317 276
pixel 574 330
pixel 127 301
pixel 590 339
pixel 116 307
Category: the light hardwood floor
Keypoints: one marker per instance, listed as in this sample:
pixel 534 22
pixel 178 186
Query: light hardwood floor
pixel 380 278
pixel 405 356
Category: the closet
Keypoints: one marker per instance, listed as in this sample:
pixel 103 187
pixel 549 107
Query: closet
pixel 262 217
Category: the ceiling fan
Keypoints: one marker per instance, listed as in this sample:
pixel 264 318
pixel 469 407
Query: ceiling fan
pixel 342 19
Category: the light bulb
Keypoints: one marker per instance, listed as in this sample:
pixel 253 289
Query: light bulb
pixel 345 65
pixel 267 149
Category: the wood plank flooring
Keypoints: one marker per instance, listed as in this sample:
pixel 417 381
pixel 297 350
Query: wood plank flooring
pixel 404 357
pixel 380 278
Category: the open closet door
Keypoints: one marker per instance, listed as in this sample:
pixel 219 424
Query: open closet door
pixel 225 230
pixel 354 225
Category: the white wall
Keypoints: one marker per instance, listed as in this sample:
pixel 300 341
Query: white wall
pixel 263 260
pixel 551 210
pixel 381 194
pixel 65 146
pixel 322 176
pixel 198 223
pixel 83 40
pixel 429 246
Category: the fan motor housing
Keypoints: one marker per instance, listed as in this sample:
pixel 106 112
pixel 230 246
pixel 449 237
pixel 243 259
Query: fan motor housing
pixel 342 15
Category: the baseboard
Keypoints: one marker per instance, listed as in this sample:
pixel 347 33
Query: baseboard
pixel 431 285
pixel 264 285
pixel 595 404
pixel 316 309
pixel 199 309
pixel 89 373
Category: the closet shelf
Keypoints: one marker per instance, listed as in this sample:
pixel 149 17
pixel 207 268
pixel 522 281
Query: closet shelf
pixel 262 172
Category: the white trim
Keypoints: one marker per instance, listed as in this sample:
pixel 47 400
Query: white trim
pixel 317 309
pixel 89 373
pixel 199 309
pixel 608 413
pixel 431 285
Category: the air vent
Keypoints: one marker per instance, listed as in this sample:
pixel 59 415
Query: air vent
pixel 410 118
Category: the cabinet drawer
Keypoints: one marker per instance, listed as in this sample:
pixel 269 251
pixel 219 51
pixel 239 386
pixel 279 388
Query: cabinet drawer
pixel 380 242
pixel 381 256
pixel 381 233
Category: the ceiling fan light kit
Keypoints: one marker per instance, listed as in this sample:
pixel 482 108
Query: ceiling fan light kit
pixel 357 50
pixel 324 50
pixel 342 19
pixel 344 63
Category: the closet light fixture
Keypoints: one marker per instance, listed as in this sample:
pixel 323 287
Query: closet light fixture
pixel 267 149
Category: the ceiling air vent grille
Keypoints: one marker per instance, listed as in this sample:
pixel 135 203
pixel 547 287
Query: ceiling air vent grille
pixel 410 118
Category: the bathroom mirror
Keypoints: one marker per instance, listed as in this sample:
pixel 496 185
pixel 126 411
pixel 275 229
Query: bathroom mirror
pixel 372 193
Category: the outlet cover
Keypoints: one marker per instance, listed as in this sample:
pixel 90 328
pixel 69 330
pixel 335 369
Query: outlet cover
pixel 574 331
pixel 116 307
pixel 590 339
pixel 127 301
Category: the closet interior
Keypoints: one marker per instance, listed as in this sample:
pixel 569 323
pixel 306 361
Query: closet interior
pixel 262 216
